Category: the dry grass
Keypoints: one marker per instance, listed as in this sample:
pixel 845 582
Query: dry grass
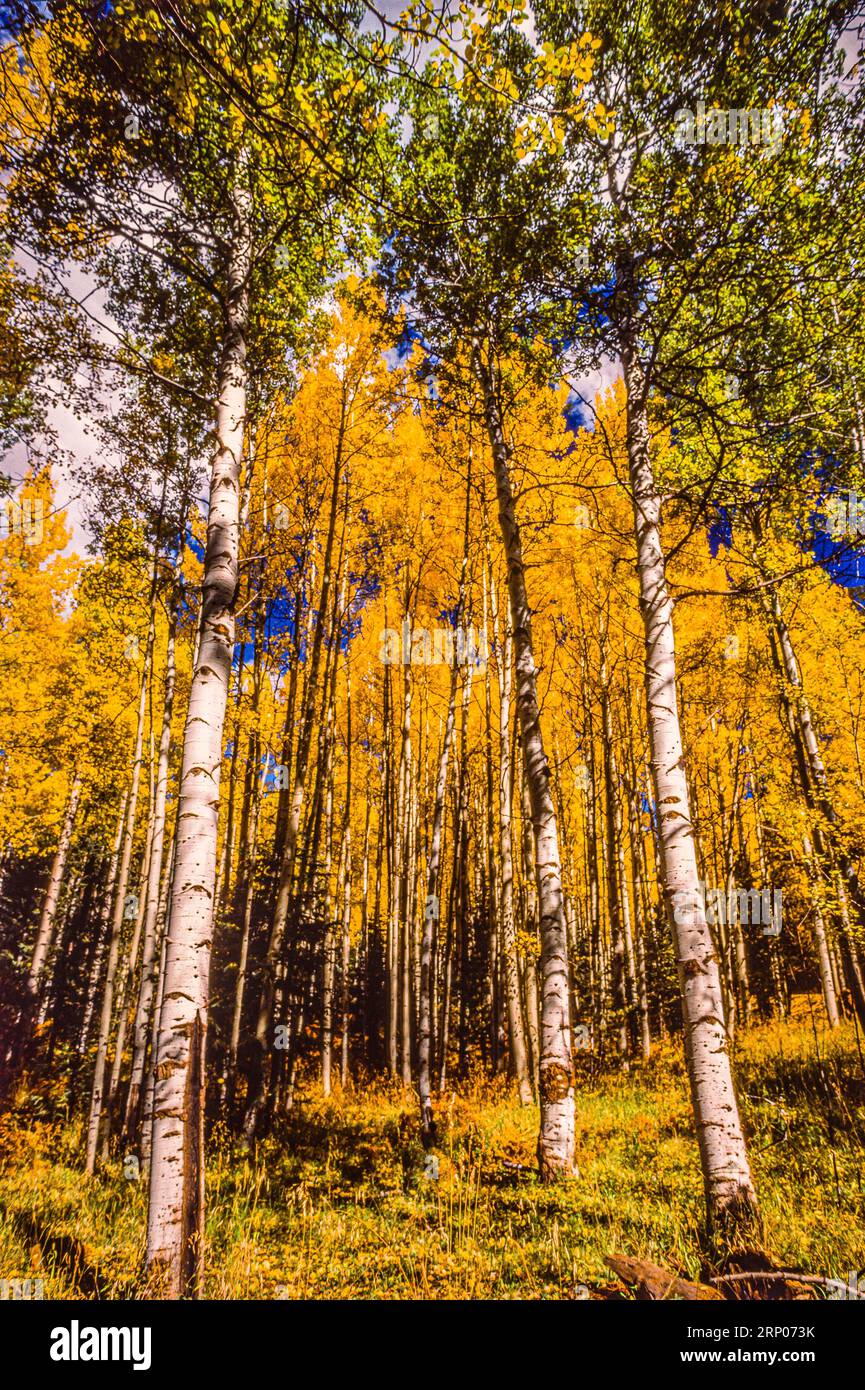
pixel 336 1204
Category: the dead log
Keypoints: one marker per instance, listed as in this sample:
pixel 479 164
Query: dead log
pixel 651 1282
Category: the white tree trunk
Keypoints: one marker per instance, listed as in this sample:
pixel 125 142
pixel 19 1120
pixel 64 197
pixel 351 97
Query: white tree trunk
pixel 176 1206
pixel 730 1197
pixel 827 984
pixel 243 961
pixel 556 1079
pixel 426 991
pixel 431 915
pixel 150 954
pixel 45 931
pixel 103 929
pixel 126 975
pixel 345 963
pixel 513 1000
pixel 95 1120
pixel 329 970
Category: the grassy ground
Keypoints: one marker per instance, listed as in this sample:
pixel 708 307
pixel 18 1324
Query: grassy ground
pixel 336 1204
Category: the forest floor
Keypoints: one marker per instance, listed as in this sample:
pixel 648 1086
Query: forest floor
pixel 336 1203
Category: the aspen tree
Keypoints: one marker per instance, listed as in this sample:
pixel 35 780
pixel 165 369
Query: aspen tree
pixel 176 1208
pixel 97 1119
pixel 556 1082
pixel 103 929
pixel 513 997
pixel 431 905
pixel 44 935
pixel 150 953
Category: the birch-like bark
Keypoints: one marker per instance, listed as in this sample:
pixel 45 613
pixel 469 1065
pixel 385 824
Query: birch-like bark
pixel 556 1137
pixel 513 1000
pixel 616 892
pixel 401 865
pixel 461 881
pixel 150 1080
pixel 413 936
pixel 345 957
pixel 388 808
pixel 431 906
pixel 641 916
pixel 103 929
pixel 824 962
pixel 598 964
pixel 492 913
pixel 451 915
pixel 150 953
pixel 345 962
pixel 47 921
pixel 322 804
pixel 730 1197
pixel 367 949
pixel 243 961
pixel 530 924
pixel 329 947
pixel 126 975
pixel 245 891
pixel 74 902
pixel 175 1220
pixel 96 1118
pixel 222 889
pixel 96 1122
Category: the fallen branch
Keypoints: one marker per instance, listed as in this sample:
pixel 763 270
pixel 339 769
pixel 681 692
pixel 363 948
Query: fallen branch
pixel 820 1280
pixel 657 1284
